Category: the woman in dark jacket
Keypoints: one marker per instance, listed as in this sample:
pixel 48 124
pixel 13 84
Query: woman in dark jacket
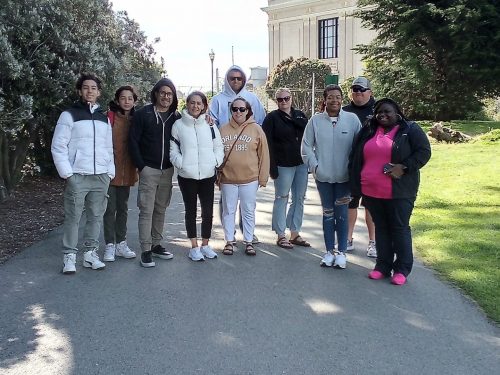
pixel 284 128
pixel 384 168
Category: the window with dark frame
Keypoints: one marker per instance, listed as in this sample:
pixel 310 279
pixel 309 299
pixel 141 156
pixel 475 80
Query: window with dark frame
pixel 328 38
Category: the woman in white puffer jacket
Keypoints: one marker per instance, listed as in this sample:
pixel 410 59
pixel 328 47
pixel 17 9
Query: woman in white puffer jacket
pixel 196 150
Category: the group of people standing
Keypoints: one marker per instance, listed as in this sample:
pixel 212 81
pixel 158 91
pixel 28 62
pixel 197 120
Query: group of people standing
pixel 367 149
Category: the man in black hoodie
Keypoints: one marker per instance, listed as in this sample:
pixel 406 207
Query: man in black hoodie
pixel 361 105
pixel 150 151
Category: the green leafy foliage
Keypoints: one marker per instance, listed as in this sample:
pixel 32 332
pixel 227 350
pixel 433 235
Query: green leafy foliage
pixel 297 75
pixel 44 45
pixel 439 59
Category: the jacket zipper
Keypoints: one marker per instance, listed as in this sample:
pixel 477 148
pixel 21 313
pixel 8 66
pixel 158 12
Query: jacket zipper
pixel 93 125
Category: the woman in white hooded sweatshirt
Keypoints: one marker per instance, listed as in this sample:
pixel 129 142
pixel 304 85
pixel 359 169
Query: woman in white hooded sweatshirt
pixel 196 150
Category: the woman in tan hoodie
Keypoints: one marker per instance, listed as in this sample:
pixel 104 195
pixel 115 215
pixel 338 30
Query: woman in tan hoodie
pixel 245 169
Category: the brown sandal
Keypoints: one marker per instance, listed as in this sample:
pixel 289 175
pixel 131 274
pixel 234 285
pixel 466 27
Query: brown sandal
pixel 249 250
pixel 228 249
pixel 299 241
pixel 284 243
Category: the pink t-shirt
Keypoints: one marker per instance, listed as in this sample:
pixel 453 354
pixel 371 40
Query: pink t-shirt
pixel 377 153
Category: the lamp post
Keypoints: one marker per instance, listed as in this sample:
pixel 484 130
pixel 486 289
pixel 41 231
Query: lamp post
pixel 212 57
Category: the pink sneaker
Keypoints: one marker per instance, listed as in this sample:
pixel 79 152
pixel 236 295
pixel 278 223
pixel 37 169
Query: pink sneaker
pixel 376 275
pixel 398 279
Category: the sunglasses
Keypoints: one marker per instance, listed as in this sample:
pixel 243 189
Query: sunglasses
pixel 239 79
pixel 281 100
pixel 359 89
pixel 236 109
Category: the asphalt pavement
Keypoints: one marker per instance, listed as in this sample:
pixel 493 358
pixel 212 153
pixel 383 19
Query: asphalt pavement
pixel 276 313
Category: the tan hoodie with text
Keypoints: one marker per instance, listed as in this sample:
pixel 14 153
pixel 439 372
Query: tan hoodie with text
pixel 249 160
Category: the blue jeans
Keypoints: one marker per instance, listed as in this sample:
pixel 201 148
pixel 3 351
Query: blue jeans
pixel 392 233
pixel 294 180
pixel 334 215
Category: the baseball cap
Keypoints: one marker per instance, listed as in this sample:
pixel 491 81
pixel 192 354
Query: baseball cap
pixel 363 82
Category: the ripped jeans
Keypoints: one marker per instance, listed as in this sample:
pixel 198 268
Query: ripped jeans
pixel 334 215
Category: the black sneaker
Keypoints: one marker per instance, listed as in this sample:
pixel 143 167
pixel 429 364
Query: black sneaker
pixel 147 260
pixel 160 252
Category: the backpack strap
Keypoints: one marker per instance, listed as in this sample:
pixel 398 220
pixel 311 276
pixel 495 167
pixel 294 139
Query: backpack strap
pixel 111 117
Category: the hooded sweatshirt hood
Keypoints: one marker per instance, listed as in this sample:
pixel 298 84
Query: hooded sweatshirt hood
pixel 220 103
pixel 227 88
pixel 165 82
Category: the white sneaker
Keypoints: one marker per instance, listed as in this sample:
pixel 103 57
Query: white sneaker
pixel 327 260
pixel 350 245
pixel 208 252
pixel 371 251
pixel 340 261
pixel 195 254
pixel 109 252
pixel 91 260
pixel 69 264
pixel 122 250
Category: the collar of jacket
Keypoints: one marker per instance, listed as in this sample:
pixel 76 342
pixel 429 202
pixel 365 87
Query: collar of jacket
pixel 86 106
pixel 190 120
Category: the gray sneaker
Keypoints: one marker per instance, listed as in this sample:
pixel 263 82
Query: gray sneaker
pixel 371 251
pixel 208 252
pixel 109 252
pixel 91 260
pixel 69 261
pixel 195 254
pixel 350 245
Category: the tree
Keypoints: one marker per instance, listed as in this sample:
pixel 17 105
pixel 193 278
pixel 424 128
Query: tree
pixel 439 59
pixel 44 45
pixel 297 75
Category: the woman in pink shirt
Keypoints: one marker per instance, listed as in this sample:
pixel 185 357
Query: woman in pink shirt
pixel 384 168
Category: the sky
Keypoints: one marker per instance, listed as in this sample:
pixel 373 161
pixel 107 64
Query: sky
pixel 190 29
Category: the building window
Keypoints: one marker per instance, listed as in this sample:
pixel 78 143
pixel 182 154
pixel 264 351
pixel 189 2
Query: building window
pixel 328 38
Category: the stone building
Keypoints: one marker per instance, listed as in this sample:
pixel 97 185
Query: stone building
pixel 317 29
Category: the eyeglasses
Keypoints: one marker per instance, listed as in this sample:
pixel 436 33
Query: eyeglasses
pixel 164 94
pixel 359 89
pixel 236 109
pixel 239 79
pixel 281 100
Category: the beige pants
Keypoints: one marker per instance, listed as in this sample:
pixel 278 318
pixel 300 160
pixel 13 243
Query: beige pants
pixel 155 191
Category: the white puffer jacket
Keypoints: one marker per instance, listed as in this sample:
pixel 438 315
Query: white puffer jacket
pixel 83 143
pixel 193 150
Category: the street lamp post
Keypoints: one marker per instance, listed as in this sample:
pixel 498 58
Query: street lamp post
pixel 212 57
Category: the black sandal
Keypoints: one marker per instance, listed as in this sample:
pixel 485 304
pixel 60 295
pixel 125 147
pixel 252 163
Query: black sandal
pixel 228 249
pixel 249 250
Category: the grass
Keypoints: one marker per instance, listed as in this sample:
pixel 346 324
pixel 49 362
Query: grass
pixel 456 221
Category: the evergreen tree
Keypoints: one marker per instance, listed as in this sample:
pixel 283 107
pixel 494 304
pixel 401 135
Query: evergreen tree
pixel 44 45
pixel 439 59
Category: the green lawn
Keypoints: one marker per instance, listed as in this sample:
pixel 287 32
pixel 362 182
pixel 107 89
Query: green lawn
pixel 456 221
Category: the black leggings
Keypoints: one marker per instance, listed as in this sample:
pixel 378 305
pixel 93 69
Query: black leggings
pixel 191 189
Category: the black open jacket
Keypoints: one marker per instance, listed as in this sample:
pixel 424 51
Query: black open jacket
pixel 149 138
pixel 411 148
pixel 284 137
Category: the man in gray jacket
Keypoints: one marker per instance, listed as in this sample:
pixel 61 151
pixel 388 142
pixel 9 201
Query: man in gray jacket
pixel 82 149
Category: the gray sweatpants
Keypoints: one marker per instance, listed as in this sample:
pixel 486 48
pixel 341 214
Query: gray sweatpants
pixel 89 191
pixel 153 198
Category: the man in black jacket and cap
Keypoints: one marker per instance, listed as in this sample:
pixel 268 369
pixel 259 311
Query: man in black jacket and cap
pixel 362 105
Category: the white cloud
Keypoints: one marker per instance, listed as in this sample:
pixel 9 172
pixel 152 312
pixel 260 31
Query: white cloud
pixel 189 29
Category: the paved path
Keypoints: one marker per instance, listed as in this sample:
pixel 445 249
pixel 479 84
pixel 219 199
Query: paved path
pixel 276 313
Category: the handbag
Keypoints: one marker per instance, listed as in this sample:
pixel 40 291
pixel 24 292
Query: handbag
pixel 218 170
